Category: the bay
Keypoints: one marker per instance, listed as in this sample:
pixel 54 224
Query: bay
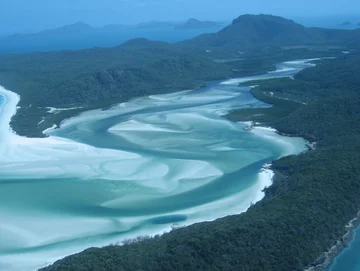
pixel 140 168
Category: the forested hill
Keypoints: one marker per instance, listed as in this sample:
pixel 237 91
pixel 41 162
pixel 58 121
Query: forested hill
pixel 304 212
pixel 249 31
pixel 101 77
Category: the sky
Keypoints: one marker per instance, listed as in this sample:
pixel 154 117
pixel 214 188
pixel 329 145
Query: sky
pixel 20 16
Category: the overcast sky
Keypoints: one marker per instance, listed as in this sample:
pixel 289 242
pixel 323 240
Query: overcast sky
pixel 35 15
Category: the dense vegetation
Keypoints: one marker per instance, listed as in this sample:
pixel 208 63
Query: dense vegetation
pixel 97 77
pixel 304 212
pixel 314 194
pixel 94 78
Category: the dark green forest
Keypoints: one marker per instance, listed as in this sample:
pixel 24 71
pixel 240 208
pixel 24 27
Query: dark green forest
pixel 304 212
pixel 95 78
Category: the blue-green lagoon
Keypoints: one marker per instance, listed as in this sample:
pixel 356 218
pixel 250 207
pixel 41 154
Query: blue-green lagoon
pixel 139 168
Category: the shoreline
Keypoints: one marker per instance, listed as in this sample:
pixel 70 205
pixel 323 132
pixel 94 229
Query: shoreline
pixel 9 108
pixel 264 179
pixel 326 259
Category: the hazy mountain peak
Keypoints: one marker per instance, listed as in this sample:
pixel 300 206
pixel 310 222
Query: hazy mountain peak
pixel 251 31
pixel 74 28
pixel 193 20
pixel 193 23
pixel 346 23
pixel 77 26
pixel 263 18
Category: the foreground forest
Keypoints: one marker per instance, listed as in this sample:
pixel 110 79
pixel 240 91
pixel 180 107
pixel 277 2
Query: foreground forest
pixel 304 212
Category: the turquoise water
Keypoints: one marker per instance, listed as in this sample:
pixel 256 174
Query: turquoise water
pixel 137 169
pixel 1 102
pixel 349 258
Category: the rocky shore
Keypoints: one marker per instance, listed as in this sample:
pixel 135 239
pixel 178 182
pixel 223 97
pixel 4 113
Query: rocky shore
pixel 325 260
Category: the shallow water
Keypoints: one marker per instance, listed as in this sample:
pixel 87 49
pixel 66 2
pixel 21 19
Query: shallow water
pixel 136 169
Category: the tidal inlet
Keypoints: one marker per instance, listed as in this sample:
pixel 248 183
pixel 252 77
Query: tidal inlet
pixel 140 168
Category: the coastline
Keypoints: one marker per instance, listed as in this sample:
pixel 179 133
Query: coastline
pixel 9 108
pixel 265 175
pixel 326 259
pixel 339 244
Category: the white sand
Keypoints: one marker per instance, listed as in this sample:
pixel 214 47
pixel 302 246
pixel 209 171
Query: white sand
pixel 145 177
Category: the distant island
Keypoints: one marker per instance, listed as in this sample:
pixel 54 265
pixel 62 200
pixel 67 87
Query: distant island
pixel 346 23
pixel 80 27
pixel 75 28
pixel 194 23
pixel 81 35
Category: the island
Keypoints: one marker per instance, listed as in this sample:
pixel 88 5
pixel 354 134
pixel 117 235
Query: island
pixel 194 24
pixel 314 195
pixel 346 23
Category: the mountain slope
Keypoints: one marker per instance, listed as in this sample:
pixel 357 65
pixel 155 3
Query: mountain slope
pixel 248 31
pixel 99 77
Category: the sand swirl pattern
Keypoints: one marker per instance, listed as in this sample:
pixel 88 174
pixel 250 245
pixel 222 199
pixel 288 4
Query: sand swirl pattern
pixel 138 168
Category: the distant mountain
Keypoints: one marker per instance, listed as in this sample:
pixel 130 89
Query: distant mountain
pixel 81 36
pixel 195 24
pixel 251 31
pixel 78 28
pixel 75 28
pixel 346 23
pixel 156 24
